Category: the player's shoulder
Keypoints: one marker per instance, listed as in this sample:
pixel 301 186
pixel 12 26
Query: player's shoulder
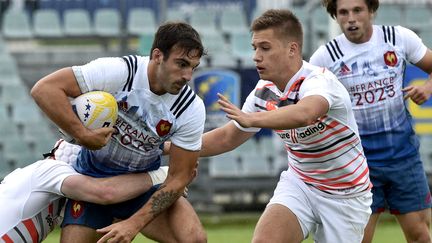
pixel 186 101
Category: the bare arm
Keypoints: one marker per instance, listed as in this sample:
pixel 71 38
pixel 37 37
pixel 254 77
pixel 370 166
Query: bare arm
pixel 55 89
pixel 106 190
pixel 181 173
pixel 302 114
pixel 420 94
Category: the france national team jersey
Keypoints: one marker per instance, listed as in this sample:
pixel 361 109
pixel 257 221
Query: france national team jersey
pixel 145 119
pixel 373 74
pixel 326 155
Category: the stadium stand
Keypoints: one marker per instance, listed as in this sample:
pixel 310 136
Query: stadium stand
pixel 247 175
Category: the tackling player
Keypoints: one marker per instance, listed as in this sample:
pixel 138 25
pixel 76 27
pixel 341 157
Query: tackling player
pixel 32 197
pixel 326 190
pixel 155 104
pixel 370 62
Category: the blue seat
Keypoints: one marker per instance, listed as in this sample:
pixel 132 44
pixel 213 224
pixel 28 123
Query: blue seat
pixel 77 23
pixel 46 24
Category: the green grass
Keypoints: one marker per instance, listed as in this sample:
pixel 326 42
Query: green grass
pixel 238 228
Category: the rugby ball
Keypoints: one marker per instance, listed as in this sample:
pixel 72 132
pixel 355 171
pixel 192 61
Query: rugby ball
pixel 95 109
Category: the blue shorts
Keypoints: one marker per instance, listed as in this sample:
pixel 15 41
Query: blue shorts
pixel 97 216
pixel 400 186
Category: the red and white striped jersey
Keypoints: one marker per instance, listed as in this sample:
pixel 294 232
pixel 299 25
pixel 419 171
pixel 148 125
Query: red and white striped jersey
pixel 326 155
pixel 32 201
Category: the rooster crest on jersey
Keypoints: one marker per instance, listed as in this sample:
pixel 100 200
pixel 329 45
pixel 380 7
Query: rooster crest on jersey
pixel 95 109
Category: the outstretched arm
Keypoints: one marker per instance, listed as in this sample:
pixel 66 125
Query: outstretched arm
pixel 302 114
pixel 420 94
pixel 111 189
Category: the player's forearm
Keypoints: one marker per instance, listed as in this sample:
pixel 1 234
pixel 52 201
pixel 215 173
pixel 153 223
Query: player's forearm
pixel 281 119
pixel 106 190
pixel 160 201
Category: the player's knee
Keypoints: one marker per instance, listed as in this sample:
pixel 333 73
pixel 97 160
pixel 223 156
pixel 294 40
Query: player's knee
pixel 419 235
pixel 198 236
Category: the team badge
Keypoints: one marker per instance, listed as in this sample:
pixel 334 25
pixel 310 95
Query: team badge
pixel 163 128
pixel 390 58
pixel 77 209
pixel 271 105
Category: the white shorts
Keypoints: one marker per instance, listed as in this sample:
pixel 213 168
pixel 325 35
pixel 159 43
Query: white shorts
pixel 330 219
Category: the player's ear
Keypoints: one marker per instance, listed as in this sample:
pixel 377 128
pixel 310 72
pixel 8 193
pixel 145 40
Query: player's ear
pixel 293 48
pixel 157 55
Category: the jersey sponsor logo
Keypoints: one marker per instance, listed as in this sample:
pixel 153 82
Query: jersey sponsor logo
pixel 123 105
pixel 141 139
pixel 344 69
pixel 390 58
pixel 77 209
pixel 163 128
pixel 309 131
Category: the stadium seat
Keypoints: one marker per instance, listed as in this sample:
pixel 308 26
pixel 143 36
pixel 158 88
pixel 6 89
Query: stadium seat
pixel 241 46
pixel 145 44
pixel 77 23
pixel 10 93
pixel 426 36
pixel 224 165
pixel 174 14
pixel 214 43
pixel 141 21
pixel 233 21
pixel 16 25
pixel 204 21
pixel 46 24
pixel 256 165
pixel 389 14
pixel 107 22
pixel 9 74
pixel 26 111
pixel 16 151
pixel 418 17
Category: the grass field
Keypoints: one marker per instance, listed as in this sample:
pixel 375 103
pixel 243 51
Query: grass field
pixel 238 228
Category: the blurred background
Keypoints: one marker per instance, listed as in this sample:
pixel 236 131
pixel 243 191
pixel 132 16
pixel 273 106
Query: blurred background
pixel 41 36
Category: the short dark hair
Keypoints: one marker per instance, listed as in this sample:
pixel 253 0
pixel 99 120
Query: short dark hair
pixel 282 21
pixel 331 6
pixel 178 34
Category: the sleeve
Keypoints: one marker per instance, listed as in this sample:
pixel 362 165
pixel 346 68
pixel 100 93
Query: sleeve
pixel 50 175
pixel 324 85
pixel 319 57
pixel 249 107
pixel 413 45
pixel 107 74
pixel 189 134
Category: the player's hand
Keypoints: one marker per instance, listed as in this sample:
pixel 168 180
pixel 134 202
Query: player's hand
pixel 233 112
pixel 121 232
pixel 95 139
pixel 418 94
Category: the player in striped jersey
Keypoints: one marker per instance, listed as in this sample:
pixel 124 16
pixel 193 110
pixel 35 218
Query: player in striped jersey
pixel 326 190
pixel 370 62
pixel 32 197
pixel 155 104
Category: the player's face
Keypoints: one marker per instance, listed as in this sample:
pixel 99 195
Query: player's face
pixel 271 55
pixel 174 72
pixel 355 20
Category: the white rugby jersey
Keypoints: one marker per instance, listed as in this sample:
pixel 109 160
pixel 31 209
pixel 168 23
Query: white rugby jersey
pixel 34 201
pixel 326 155
pixel 145 119
pixel 373 74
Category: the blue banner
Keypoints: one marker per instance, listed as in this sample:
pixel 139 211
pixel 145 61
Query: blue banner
pixel 422 115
